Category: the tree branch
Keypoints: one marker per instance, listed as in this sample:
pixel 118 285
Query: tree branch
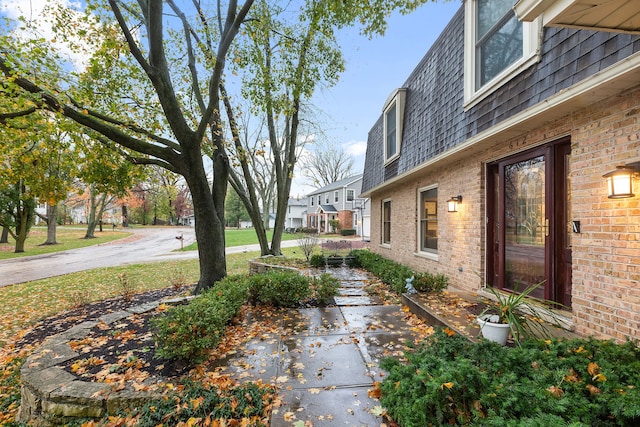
pixel 170 144
pixel 7 116
pixel 188 33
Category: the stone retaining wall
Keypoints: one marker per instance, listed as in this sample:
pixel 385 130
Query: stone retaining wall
pixel 51 396
pixel 257 267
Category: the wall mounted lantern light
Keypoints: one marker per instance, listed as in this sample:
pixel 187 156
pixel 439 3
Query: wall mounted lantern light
pixel 452 203
pixel 620 181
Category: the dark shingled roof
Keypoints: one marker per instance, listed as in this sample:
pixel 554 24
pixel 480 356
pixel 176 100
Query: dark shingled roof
pixel 345 182
pixel 434 118
pixel 328 209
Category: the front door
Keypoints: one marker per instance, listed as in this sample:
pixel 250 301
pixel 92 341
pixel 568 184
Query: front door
pixel 528 240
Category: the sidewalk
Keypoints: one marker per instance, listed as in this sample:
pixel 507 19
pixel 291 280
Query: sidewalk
pixel 327 360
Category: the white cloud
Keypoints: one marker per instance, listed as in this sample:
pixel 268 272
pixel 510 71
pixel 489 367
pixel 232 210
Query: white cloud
pixel 355 148
pixel 38 18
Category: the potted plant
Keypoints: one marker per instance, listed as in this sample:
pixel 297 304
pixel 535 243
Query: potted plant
pixel 507 316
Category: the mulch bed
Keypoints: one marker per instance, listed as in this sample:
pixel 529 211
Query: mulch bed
pixel 92 311
pixel 122 353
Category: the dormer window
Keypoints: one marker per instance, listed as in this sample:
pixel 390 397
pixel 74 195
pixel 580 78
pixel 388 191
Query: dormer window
pixel 393 113
pixel 497 46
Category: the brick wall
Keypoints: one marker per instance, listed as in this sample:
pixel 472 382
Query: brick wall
pixel 606 254
pixel 346 220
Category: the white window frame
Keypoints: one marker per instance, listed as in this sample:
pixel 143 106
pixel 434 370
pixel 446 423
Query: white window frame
pixel 351 195
pixel 430 254
pixel 336 196
pixel 396 99
pixel 382 223
pixel 326 198
pixel 531 40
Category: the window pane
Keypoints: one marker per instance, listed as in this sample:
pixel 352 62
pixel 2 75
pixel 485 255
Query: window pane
pixel 499 50
pixel 490 12
pixel 429 220
pixel 390 140
pixel 386 222
pixel 350 194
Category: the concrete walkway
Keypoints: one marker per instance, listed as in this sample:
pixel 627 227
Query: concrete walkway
pixel 326 361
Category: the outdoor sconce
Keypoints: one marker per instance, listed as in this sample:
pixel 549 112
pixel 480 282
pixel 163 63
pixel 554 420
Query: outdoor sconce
pixel 620 181
pixel 452 203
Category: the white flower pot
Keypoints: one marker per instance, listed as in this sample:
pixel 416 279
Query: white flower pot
pixel 497 332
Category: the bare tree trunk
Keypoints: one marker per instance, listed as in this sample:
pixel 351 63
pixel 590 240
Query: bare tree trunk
pixel 4 237
pixel 22 226
pixel 52 217
pixel 96 209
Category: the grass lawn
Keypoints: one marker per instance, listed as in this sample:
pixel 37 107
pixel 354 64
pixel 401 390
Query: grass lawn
pixel 24 304
pixel 242 237
pixel 66 236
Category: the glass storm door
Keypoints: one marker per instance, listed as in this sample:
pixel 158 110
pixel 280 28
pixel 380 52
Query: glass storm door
pixel 527 218
pixel 526 224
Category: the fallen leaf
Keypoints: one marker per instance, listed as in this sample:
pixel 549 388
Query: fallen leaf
pixel 378 411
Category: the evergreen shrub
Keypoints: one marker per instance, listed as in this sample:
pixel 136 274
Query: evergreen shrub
pixel 187 331
pixel 280 288
pixel 326 287
pixel 390 272
pixel 452 381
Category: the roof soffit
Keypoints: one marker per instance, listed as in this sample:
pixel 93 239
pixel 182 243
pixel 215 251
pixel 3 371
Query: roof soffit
pixel 602 15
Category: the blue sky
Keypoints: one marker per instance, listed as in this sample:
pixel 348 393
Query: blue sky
pixel 374 69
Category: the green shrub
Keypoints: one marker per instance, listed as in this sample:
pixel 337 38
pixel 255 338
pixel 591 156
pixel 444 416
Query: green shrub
pixel 326 287
pixel 347 232
pixel 395 275
pixel 390 272
pixel 280 288
pixel 317 261
pixel 451 381
pixel 427 282
pixel 352 259
pixel 188 331
pixel 246 404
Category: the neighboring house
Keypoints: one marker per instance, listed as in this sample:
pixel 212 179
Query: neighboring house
pixel 521 117
pixel 296 214
pixel 339 201
pixel 295 218
pixel 249 224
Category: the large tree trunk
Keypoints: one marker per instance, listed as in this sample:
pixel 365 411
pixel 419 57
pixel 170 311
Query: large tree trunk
pixel 4 237
pixel 209 228
pixel 52 219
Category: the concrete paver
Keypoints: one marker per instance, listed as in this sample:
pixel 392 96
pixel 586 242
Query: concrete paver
pixel 325 360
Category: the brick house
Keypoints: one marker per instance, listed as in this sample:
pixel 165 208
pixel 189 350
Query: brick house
pixel 513 117
pixel 339 201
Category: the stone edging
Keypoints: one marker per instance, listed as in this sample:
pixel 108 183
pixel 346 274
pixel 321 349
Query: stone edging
pixel 52 396
pixel 257 267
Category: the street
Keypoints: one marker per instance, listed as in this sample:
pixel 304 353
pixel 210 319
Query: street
pixel 147 245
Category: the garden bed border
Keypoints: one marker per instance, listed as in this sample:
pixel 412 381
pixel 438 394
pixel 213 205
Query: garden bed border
pixel 51 396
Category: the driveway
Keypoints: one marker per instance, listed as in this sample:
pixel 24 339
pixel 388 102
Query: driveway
pixel 146 245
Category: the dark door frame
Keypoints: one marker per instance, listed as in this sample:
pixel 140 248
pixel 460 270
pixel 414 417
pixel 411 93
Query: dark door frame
pixel 557 246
